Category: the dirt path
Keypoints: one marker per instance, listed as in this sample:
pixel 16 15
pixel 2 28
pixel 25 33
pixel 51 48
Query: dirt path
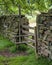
pixel 32 24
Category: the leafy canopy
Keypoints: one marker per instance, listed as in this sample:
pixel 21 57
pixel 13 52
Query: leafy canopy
pixel 27 6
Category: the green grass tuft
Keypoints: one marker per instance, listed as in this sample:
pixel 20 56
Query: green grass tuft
pixel 5 43
pixel 22 47
pixel 13 49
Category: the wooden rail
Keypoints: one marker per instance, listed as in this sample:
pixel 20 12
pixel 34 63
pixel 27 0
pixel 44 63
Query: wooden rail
pixel 26 32
pixel 31 40
pixel 25 42
pixel 24 35
pixel 30 45
pixel 28 27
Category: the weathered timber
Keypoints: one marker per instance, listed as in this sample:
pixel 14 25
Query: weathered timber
pixel 27 32
pixel 27 27
pixel 31 40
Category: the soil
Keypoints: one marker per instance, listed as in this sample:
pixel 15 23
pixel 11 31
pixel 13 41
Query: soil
pixel 6 53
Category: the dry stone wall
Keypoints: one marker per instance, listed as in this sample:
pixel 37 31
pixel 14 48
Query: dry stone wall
pixel 9 26
pixel 44 34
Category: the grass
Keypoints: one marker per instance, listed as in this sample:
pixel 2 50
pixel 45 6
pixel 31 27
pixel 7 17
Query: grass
pixel 5 43
pixel 30 59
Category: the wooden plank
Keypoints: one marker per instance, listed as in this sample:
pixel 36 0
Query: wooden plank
pixel 26 32
pixel 13 33
pixel 30 45
pixel 24 35
pixel 23 42
pixel 31 40
pixel 28 27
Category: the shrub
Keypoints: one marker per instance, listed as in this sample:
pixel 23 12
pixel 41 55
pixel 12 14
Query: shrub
pixel 13 49
pixel 22 47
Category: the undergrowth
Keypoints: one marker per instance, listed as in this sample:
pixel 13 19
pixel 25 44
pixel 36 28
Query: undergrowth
pixel 30 59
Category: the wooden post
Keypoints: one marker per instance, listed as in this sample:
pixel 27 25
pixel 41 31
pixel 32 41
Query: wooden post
pixel 33 37
pixel 19 11
pixel 19 22
pixel 36 39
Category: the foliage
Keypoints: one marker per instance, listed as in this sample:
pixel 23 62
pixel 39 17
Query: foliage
pixel 4 43
pixel 13 49
pixel 22 47
pixel 27 6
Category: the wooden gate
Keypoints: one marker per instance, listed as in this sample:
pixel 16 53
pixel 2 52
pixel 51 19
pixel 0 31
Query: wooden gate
pixel 25 36
pixel 28 37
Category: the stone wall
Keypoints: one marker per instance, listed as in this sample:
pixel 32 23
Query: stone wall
pixel 44 34
pixel 9 26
